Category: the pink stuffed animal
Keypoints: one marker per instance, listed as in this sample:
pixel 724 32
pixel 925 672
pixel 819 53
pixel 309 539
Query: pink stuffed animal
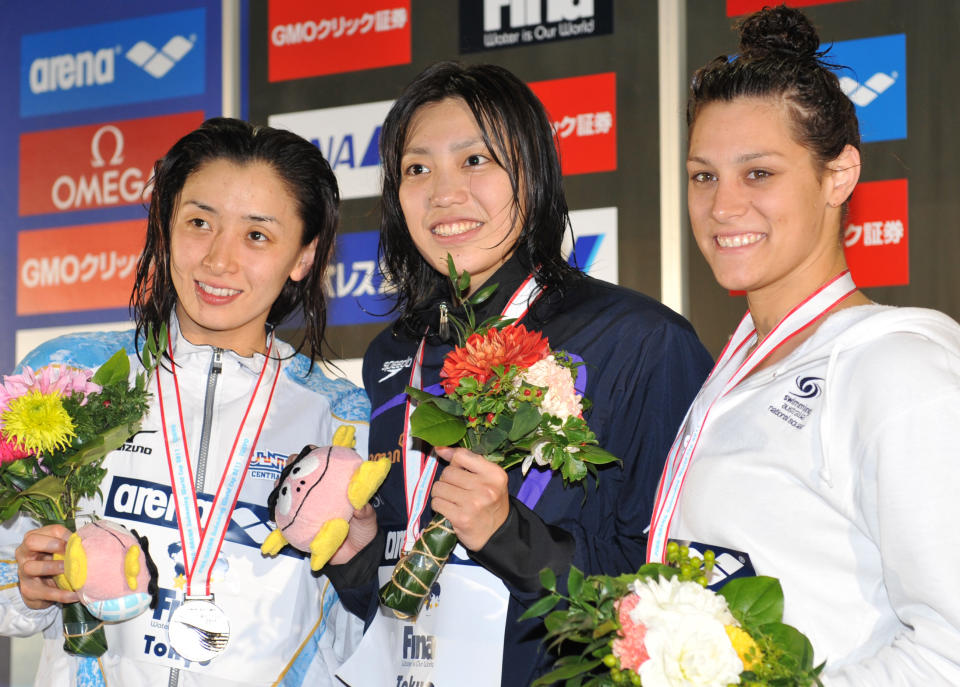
pixel 316 496
pixel 111 570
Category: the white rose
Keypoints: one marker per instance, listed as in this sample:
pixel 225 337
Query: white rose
pixel 689 651
pixel 661 596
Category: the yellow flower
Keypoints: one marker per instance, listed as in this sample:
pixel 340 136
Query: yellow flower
pixel 746 648
pixel 38 422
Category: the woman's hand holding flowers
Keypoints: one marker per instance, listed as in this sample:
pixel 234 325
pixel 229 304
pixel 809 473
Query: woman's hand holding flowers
pixel 472 494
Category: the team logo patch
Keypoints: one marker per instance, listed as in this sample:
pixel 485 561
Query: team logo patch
pixel 795 406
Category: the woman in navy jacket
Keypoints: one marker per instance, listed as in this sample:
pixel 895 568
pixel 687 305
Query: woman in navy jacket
pixel 471 169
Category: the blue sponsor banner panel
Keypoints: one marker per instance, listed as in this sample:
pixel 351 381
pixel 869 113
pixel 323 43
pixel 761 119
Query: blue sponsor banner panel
pixel 873 74
pixel 77 69
pixel 355 287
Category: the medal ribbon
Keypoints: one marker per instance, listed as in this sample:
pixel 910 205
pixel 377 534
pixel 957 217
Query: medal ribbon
pixel 201 545
pixel 419 470
pixel 725 376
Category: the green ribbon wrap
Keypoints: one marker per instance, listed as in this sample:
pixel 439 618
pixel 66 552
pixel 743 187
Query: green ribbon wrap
pixel 418 569
pixel 83 633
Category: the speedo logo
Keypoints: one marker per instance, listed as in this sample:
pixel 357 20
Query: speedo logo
pixel 140 501
pixel 393 367
pixel 863 94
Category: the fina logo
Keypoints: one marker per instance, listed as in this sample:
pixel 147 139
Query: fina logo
pixel 529 12
pixel 863 94
pixel 809 387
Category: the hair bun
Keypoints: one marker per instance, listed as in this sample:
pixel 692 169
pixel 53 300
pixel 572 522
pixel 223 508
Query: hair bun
pixel 780 31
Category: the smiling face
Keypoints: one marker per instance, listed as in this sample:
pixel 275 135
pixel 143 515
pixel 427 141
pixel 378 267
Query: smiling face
pixel 235 238
pixel 455 198
pixel 765 216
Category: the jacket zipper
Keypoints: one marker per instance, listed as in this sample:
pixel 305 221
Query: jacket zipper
pixel 444 329
pixel 216 366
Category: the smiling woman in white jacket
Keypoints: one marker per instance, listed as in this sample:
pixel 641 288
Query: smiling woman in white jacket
pixel 240 228
pixel 821 450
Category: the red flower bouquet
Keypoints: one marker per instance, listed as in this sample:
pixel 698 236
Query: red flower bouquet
pixel 507 397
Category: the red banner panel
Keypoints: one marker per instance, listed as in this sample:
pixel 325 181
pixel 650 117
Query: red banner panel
pixel 583 110
pixel 95 166
pixel 736 7
pixel 308 38
pixel 877 234
pixel 78 268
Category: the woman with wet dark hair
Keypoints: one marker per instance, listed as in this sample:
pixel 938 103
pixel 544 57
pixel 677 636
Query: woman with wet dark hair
pixel 471 170
pixel 240 227
pixel 821 449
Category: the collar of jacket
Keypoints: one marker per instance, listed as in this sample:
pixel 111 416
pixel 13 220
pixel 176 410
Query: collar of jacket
pixel 184 350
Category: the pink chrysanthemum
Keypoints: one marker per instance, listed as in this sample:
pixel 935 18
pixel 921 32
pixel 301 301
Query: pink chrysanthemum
pixel 630 647
pixel 62 379
pixel 10 451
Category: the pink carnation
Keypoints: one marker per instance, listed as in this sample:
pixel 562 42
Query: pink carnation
pixel 561 399
pixel 62 379
pixel 630 647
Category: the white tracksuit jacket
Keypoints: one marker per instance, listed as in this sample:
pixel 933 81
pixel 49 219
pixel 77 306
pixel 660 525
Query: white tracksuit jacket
pixel 287 625
pixel 838 471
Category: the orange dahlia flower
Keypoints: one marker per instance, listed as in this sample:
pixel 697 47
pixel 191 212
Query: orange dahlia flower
pixel 512 345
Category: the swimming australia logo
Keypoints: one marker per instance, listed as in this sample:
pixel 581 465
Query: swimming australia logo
pixel 809 387
pixel 155 62
pixel 794 408
pixel 392 367
pixel 863 94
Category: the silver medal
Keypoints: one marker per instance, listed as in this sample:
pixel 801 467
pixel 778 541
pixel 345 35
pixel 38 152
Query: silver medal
pixel 199 630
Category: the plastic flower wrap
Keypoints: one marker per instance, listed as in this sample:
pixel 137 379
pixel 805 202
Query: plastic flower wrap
pixel 57 424
pixel 507 397
pixel 662 627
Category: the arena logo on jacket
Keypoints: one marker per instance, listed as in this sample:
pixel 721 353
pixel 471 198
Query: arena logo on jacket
pixel 114 63
pixel 798 403
pixel 142 501
pixel 495 24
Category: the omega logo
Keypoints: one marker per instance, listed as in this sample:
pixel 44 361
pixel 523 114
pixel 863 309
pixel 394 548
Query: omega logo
pixel 111 186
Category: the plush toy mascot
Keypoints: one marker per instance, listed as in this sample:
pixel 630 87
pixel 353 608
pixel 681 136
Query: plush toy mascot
pixel 316 496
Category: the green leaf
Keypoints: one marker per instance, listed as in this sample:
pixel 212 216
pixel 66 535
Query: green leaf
pixel 549 580
pixel 555 620
pixel 448 405
pixel 482 294
pixel 115 371
pixel 540 606
pixel 754 601
pixel 451 269
pixel 436 427
pixel 571 669
pixel 596 455
pixel 605 628
pixel 491 439
pixel 525 420
pixel 418 394
pixel 50 487
pixel 574 583
pixel 792 641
